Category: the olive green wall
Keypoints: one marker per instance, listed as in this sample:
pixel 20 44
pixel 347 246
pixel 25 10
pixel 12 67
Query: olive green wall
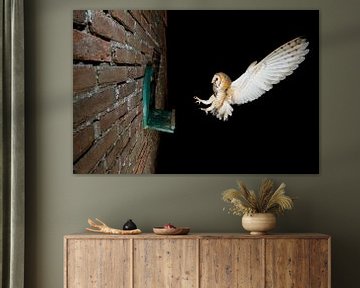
pixel 59 202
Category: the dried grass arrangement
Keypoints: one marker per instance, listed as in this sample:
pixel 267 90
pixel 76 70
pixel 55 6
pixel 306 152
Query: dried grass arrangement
pixel 246 202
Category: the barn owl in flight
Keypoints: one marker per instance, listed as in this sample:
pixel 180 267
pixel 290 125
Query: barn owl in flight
pixel 257 79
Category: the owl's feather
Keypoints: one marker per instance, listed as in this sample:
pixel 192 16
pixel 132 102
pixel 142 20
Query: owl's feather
pixel 261 77
pixel 257 79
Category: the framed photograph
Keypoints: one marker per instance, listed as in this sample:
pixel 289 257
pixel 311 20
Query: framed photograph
pixel 196 91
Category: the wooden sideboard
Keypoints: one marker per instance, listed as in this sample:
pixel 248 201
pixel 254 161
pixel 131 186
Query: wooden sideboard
pixel 203 260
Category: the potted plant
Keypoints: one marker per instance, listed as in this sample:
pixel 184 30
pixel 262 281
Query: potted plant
pixel 258 210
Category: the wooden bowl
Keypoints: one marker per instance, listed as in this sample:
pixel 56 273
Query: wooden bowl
pixel 171 231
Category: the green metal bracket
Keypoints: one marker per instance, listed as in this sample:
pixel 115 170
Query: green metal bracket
pixel 156 119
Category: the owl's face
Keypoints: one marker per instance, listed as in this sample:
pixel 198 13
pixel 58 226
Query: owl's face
pixel 220 81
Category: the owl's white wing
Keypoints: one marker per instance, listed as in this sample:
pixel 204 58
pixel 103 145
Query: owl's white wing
pixel 260 77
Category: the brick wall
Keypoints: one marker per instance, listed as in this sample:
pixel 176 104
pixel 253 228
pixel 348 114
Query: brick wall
pixel 110 51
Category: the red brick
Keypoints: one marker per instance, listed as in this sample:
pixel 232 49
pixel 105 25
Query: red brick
pixel 126 89
pixel 124 56
pixel 135 124
pixel 138 98
pixel 123 165
pixel 79 17
pixel 84 77
pixel 112 156
pixel 110 118
pixel 82 141
pixel 148 14
pixel 133 41
pixel 107 27
pixel 124 18
pixel 138 152
pixel 96 153
pixel 136 72
pixel 146 49
pixel 142 158
pixel 124 123
pixel 117 149
pixel 136 14
pixel 87 108
pixel 132 102
pixel 124 140
pixel 131 115
pixel 114 168
pixel 149 165
pixel 140 33
pixel 144 36
pixel 165 19
pixel 124 149
pixel 153 30
pixel 112 74
pixel 89 47
pixel 140 58
pixel 100 168
pixel 135 156
pixel 132 141
pixel 139 84
pixel 139 121
pixel 143 21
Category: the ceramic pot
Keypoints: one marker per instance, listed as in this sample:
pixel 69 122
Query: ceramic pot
pixel 259 223
pixel 129 225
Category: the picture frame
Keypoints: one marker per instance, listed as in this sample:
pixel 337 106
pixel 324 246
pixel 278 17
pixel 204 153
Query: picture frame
pixel 133 67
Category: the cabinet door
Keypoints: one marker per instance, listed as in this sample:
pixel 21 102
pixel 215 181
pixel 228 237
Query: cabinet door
pixel 287 263
pixel 98 263
pixel 320 263
pixel 297 263
pixel 231 263
pixel 166 263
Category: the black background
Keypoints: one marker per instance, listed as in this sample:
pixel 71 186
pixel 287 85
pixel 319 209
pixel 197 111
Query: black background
pixel 277 133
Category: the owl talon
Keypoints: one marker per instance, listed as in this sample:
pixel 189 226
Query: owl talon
pixel 197 100
pixel 205 102
pixel 205 109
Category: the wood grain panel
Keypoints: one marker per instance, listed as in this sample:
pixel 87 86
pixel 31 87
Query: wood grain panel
pixel 319 263
pixel 98 263
pixel 231 263
pixel 89 235
pixel 287 263
pixel 166 263
pixel 206 260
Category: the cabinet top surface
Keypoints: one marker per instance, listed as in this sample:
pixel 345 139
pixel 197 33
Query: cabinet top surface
pixel 87 235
